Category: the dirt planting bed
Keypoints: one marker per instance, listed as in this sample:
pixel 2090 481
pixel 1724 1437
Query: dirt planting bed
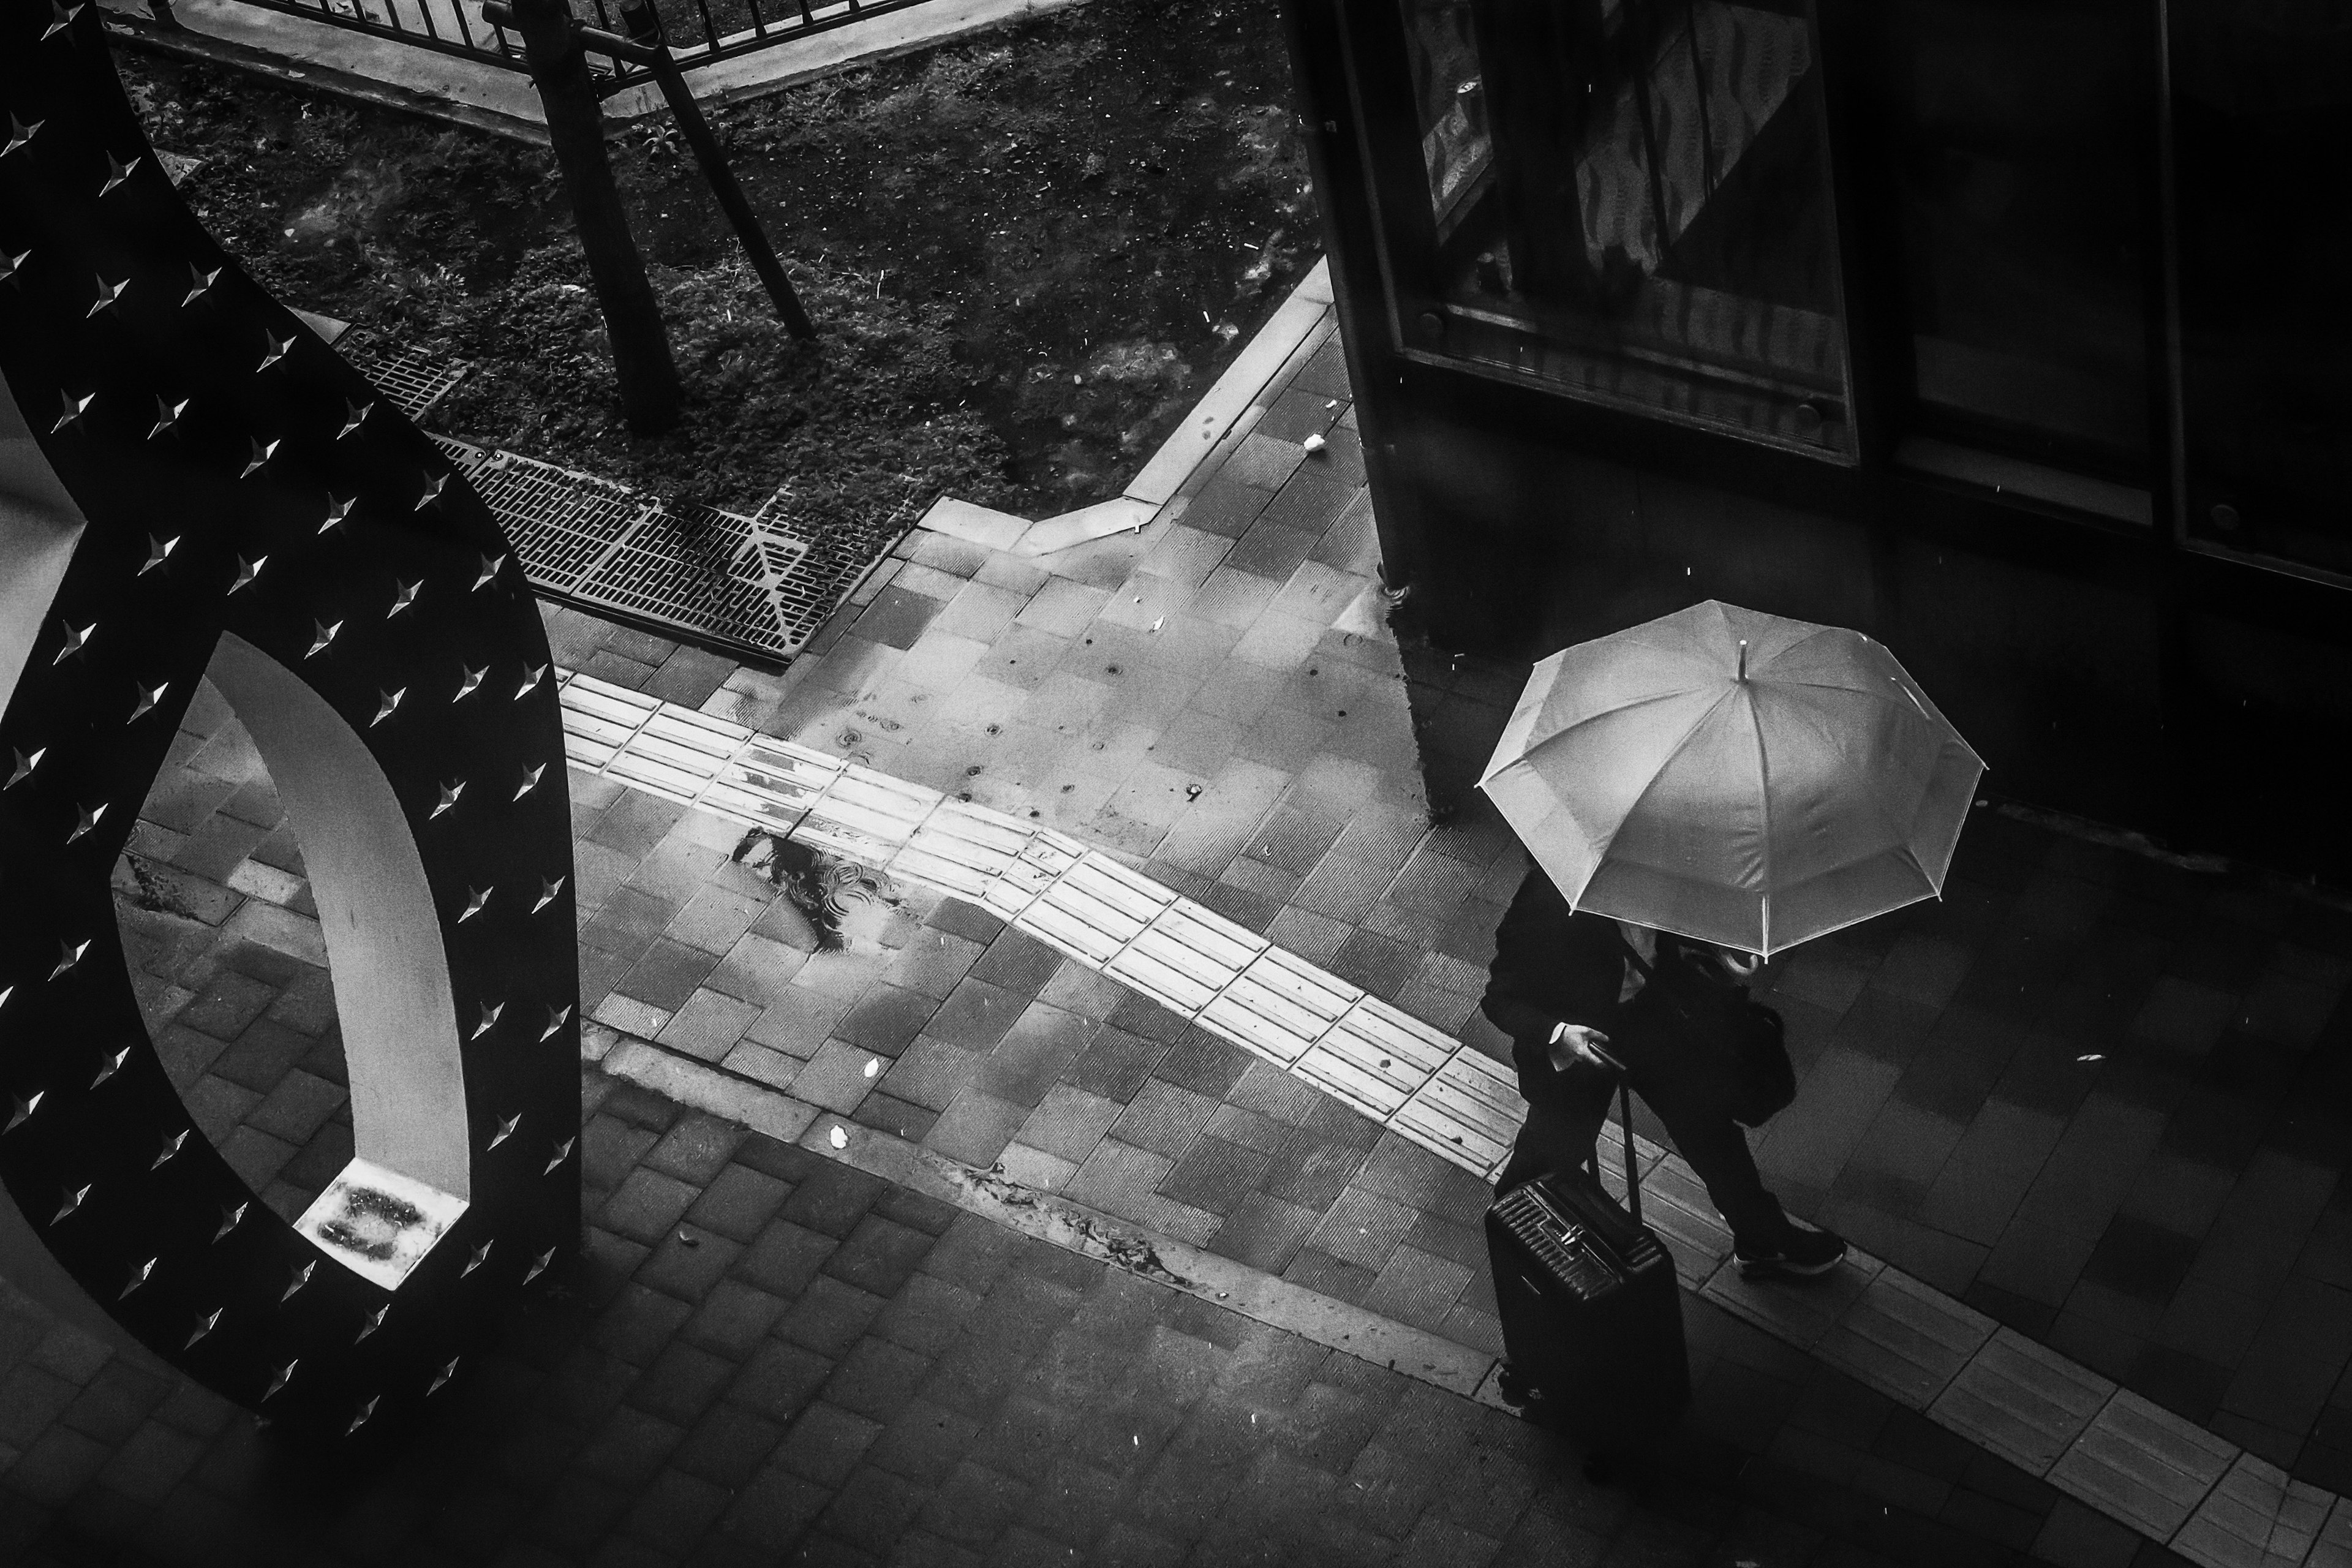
pixel 1026 254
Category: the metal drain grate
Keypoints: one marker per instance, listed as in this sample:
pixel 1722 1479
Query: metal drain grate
pixel 753 585
pixel 413 379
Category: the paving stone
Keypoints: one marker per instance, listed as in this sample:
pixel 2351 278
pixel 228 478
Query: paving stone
pixel 733 1318
pixel 1039 1047
pixel 647 1205
pixel 739 1202
pixel 687 1262
pixel 828 1317
pixel 784 1259
pixel 1163 1117
pixel 1115 1064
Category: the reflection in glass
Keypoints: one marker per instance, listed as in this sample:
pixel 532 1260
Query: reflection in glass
pixel 1630 198
pixel 2261 137
pixel 2017 145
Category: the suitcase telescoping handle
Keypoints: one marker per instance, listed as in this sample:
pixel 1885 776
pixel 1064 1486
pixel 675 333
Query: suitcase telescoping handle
pixel 1625 1112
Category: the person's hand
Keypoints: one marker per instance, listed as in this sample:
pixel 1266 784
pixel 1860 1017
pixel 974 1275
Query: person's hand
pixel 1574 1042
pixel 1740 966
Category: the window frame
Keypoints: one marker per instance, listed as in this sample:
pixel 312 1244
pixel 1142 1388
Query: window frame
pixel 1427 328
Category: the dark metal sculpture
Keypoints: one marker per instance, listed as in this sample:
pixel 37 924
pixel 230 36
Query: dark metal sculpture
pixel 189 480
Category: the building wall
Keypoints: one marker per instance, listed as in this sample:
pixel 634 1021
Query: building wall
pixel 2099 668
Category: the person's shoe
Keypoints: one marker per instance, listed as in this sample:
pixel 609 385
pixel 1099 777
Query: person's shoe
pixel 1802 1252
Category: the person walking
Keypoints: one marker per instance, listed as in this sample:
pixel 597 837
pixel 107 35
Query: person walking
pixel 1581 995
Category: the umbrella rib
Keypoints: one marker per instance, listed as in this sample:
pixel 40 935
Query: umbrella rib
pixel 1878 809
pixel 1764 801
pixel 1682 743
pixel 1626 707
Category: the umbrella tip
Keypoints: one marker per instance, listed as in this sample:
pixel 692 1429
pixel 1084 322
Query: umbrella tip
pixel 1743 658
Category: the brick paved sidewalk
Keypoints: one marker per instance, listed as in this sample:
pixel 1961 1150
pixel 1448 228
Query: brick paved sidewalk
pixel 767 1356
pixel 2104 1099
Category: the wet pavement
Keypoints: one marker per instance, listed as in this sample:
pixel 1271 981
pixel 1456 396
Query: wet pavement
pixel 2101 1097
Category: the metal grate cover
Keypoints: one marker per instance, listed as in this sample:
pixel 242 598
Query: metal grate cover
pixel 413 379
pixel 754 585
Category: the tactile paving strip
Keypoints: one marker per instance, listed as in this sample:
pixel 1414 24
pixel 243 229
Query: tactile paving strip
pixel 2114 1451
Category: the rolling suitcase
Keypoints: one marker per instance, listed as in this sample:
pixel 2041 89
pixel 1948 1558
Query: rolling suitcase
pixel 1591 1310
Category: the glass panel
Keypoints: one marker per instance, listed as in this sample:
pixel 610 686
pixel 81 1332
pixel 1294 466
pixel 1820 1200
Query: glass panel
pixel 2261 137
pixel 2020 138
pixel 1631 200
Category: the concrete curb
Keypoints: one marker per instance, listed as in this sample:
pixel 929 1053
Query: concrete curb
pixel 1307 317
pixel 992 1195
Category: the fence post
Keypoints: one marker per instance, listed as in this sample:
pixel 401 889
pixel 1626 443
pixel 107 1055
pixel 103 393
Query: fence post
pixel 575 128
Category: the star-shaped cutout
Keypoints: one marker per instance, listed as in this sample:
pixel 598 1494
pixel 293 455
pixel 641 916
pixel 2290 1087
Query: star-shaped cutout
pixel 167 415
pixel 73 408
pixel 490 1011
pixel 449 793
pixel 68 954
pixel 467 680
pixel 556 1018
pixel 474 899
pixel 338 509
pixel 148 697
pixel 442 1376
pixel 361 1419
pixel 548 888
pixel 391 699
pixel 74 642
pixel 481 1256
pixel 433 484
pixel 137 1277
pixel 562 1153
pixel 205 1325
pixel 404 595
pixel 171 1147
pixel 355 416
pixel 301 1277
pixel 25 764
pixel 74 1197
pixel 231 1217
pixel 491 566
pixel 529 781
pixel 530 679
pixel 372 1321
pixel 12 265
pixel 325 635
pixel 280 1378
pixel 117 170
pixel 19 133
pixel 61 20
pixel 108 1065
pixel 505 1130
pixel 158 550
pixel 539 1266
pixel 26 1106
pixel 273 348
pixel 247 571
pixel 202 282
pixel 89 818
pixel 108 295
pixel 261 455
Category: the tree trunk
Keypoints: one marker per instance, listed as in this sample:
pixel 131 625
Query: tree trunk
pixel 575 126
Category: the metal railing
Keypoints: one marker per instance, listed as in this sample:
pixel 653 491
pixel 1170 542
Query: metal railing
pixel 697 31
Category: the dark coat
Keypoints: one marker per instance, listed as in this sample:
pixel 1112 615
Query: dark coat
pixel 1551 966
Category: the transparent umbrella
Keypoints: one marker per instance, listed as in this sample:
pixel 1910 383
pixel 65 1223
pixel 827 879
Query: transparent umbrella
pixel 1737 777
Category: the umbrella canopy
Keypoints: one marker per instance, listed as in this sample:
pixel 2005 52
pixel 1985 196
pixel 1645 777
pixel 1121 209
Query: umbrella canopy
pixel 1733 776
